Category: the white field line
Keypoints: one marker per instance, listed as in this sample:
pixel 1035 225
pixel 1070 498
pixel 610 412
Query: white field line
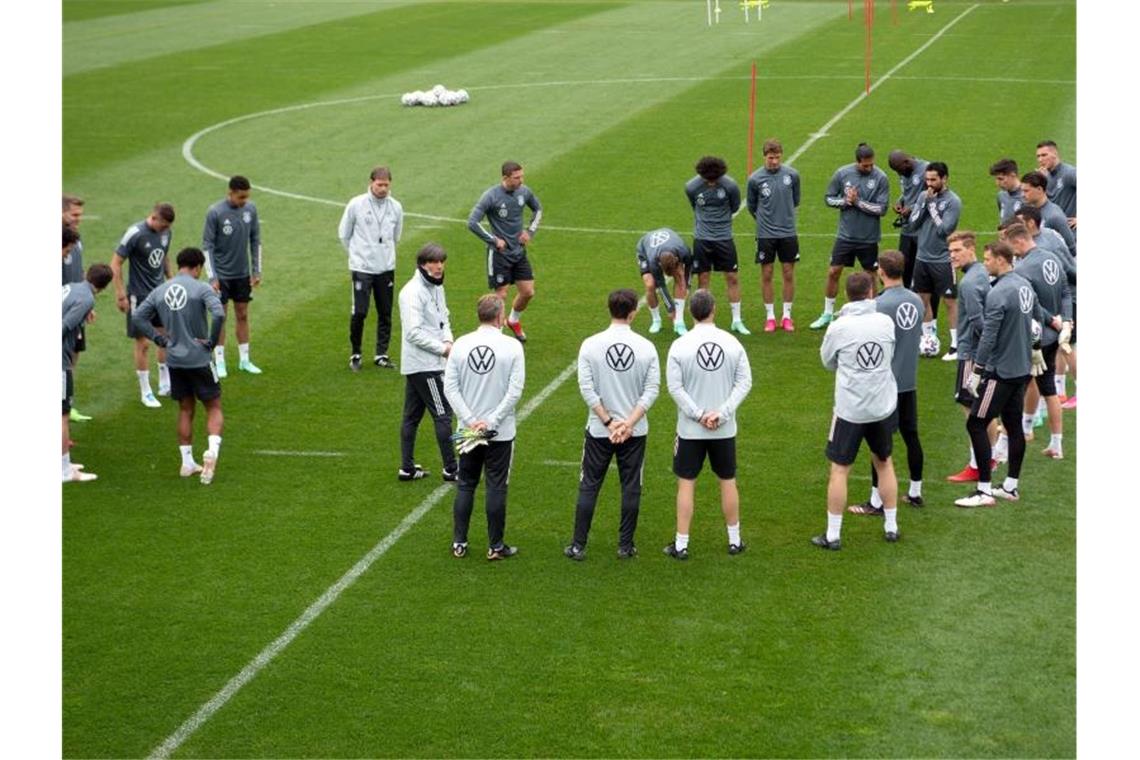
pixel 560 463
pixel 282 453
pixel 258 663
pixel 822 132
pixel 265 656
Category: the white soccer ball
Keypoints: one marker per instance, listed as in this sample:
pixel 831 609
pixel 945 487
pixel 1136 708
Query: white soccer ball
pixel 929 345
pixel 429 99
pixel 447 99
pixel 463 96
pixel 438 90
pixel 408 99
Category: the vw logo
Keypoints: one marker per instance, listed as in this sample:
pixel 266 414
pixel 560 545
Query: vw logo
pixel 155 258
pixel 906 316
pixel 869 356
pixel 66 291
pixel 710 356
pixel 619 357
pixel 1052 271
pixel 1025 298
pixel 481 360
pixel 658 238
pixel 175 297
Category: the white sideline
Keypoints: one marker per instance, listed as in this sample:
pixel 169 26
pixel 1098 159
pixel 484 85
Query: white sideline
pixel 281 453
pixel 263 658
pixel 822 132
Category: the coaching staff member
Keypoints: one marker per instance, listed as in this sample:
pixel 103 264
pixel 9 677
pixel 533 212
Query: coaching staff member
pixel 619 377
pixel 1003 363
pixel 708 376
pixel 370 227
pixel 859 346
pixel 484 381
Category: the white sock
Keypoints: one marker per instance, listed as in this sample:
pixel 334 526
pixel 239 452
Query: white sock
pixel 144 381
pixel 1059 379
pixel 735 311
pixel 834 523
pixel 1055 441
pixel 1041 408
pixel 734 534
pixel 953 338
pixel 1009 485
pixel 163 375
pixel 915 488
pixel 681 541
pixel 515 316
pixel 1027 423
pixel 1003 442
pixel 973 459
pixel 829 308
pixel 986 488
pixel 679 314
pixel 213 443
pixel 770 310
pixel 243 352
pixel 876 497
pixel 788 310
pixel 890 520
pixel 219 355
pixel 67 465
pixel 655 314
pixel 187 453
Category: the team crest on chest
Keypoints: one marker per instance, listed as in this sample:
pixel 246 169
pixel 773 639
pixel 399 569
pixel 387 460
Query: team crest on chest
pixel 521 201
pixel 227 227
pixel 720 194
pixel 503 211
pixel 246 217
pixel 787 180
pixel 658 238
pixel 870 184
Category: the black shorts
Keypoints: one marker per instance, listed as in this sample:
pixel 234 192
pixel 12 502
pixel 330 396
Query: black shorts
pixel 786 249
pixel 714 256
pixel 68 390
pixel 81 336
pixel 961 395
pixel 505 270
pixel 199 382
pixel 237 290
pixel 936 278
pixel 1072 338
pixel 134 304
pixel 844 439
pixel 996 394
pixel 844 253
pixel 908 247
pixel 689 457
pixel 1046 381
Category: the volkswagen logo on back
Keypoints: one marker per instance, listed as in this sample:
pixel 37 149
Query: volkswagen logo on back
pixel 906 316
pixel 481 360
pixel 1051 270
pixel 1025 298
pixel 710 356
pixel 619 357
pixel 869 356
pixel 175 297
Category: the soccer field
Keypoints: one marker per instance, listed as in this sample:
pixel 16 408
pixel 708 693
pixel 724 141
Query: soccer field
pixel 306 603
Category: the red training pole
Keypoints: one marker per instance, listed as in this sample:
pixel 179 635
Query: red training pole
pixel 752 118
pixel 848 10
pixel 868 11
pixel 894 13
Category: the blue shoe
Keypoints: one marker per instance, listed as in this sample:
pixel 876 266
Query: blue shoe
pixel 823 321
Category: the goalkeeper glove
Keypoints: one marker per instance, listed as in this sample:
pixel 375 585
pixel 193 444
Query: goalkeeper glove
pixel 466 439
pixel 1065 336
pixel 972 382
pixel 1038 362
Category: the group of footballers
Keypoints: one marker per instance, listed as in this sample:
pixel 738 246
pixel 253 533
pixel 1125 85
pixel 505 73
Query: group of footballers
pixel 1005 322
pixel 168 308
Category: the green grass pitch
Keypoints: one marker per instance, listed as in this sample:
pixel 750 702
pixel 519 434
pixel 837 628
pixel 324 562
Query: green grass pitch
pixel 958 641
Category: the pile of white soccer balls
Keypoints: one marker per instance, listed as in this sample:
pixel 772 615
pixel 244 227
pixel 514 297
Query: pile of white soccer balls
pixel 436 96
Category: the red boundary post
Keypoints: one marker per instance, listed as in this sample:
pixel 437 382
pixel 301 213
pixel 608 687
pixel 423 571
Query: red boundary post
pixel 752 118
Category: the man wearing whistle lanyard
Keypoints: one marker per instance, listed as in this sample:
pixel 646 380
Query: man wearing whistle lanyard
pixel 369 230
